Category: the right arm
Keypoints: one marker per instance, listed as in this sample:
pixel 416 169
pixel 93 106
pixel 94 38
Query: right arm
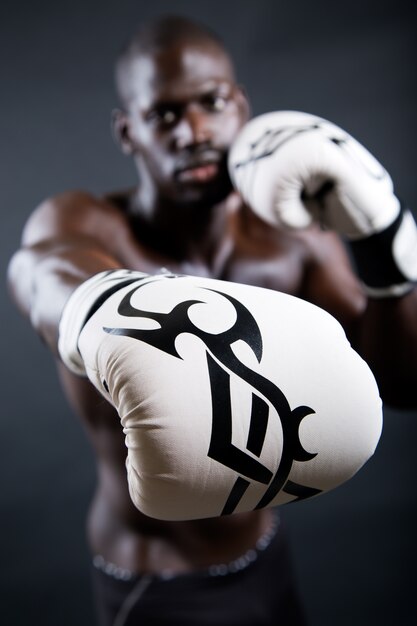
pixel 172 353
pixel 66 240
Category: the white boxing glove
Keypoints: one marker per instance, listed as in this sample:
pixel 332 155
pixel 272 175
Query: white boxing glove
pixel 294 168
pixel 231 397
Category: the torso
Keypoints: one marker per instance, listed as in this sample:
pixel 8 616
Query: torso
pixel 116 529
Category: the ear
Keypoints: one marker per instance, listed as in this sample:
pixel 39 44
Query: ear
pixel 243 103
pixel 121 130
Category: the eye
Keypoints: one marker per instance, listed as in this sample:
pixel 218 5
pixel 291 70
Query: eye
pixel 215 102
pixel 219 103
pixel 164 116
pixel 168 116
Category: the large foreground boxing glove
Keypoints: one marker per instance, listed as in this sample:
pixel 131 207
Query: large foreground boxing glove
pixel 293 168
pixel 231 397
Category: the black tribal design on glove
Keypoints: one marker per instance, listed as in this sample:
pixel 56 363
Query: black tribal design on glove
pixel 272 139
pixel 221 360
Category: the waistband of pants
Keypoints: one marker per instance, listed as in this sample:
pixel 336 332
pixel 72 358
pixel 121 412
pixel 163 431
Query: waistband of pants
pixel 218 569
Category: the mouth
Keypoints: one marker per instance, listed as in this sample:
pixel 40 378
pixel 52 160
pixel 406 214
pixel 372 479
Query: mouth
pixel 198 173
pixel 199 170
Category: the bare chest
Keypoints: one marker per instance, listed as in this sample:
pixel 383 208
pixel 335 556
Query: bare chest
pixel 279 266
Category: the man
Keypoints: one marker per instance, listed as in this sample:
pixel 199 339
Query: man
pixel 182 111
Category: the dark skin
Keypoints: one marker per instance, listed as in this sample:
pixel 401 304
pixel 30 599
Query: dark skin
pixel 184 113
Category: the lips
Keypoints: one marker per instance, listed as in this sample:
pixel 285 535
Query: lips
pixel 199 173
pixel 199 169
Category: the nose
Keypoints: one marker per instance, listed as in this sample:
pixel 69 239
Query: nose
pixel 193 128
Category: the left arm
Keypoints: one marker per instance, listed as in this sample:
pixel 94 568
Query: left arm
pixel 296 170
pixel 382 330
pixel 387 339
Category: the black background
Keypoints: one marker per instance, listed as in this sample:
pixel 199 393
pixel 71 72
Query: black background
pixel 353 63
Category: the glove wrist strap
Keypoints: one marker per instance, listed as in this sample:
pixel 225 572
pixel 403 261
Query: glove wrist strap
pixel 387 261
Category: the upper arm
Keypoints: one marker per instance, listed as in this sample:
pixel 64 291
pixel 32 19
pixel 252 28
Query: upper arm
pixel 65 240
pixel 73 233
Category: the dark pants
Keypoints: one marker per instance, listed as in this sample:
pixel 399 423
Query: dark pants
pixel 261 592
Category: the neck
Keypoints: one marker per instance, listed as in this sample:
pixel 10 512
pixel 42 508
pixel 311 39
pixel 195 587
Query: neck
pixel 193 232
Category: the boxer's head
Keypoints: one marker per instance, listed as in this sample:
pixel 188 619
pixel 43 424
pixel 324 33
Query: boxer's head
pixel 182 110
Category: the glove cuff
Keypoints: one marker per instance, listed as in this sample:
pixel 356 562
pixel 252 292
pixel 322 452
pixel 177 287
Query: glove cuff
pixel 387 261
pixel 81 306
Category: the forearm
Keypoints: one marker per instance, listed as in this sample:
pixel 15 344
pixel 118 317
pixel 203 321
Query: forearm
pixel 387 264
pixel 42 277
pixel 387 340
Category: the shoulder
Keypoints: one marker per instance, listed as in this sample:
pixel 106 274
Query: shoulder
pixel 330 279
pixel 323 246
pixel 310 263
pixel 69 214
pixel 311 246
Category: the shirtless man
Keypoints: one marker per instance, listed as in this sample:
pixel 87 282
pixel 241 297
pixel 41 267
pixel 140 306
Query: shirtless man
pixel 182 111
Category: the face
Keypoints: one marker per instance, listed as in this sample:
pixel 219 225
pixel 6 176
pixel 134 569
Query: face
pixel 184 113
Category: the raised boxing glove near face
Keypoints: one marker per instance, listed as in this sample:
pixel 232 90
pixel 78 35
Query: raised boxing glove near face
pixel 293 168
pixel 231 397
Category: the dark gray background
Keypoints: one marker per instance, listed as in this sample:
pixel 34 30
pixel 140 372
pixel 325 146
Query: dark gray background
pixel 355 548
